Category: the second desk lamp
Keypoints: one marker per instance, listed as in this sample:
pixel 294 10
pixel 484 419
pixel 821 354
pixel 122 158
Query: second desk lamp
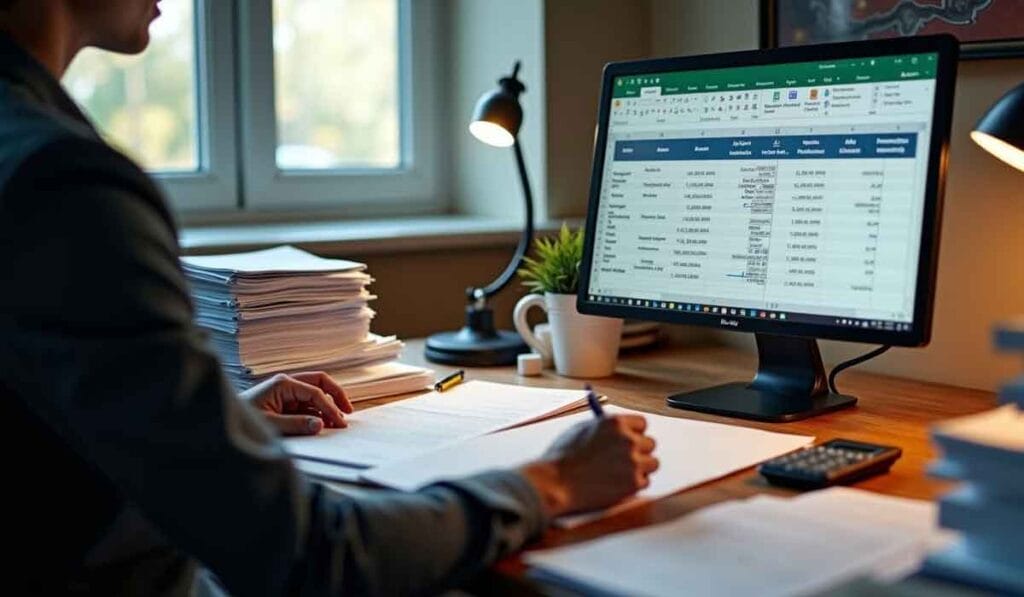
pixel 496 121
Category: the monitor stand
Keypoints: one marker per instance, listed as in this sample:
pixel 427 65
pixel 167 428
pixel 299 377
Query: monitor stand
pixel 790 385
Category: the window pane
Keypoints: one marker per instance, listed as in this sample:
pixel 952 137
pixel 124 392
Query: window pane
pixel 146 104
pixel 336 84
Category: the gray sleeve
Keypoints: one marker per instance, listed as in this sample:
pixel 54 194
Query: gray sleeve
pixel 419 543
pixel 99 332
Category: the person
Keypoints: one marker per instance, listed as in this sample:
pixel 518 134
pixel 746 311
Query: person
pixel 130 460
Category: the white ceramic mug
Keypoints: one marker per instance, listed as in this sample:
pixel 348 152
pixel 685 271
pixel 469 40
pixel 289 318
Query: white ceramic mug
pixel 581 345
pixel 542 331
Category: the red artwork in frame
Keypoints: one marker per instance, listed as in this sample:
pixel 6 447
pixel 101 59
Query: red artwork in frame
pixel 985 28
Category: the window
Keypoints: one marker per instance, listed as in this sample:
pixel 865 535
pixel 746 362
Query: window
pixel 336 75
pixel 146 104
pixel 277 105
pixel 351 100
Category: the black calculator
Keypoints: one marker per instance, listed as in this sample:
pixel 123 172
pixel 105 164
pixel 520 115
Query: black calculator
pixel 837 462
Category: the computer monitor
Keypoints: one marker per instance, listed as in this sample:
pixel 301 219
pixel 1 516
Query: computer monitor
pixel 793 193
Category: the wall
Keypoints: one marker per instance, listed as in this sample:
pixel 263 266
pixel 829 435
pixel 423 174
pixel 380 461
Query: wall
pixel 564 45
pixel 485 38
pixel 581 36
pixel 683 27
pixel 423 292
pixel 979 281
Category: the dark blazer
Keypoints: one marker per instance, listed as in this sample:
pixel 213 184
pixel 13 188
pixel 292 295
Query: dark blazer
pixel 128 457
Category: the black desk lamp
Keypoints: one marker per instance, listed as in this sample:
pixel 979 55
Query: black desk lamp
pixel 1001 133
pixel 496 121
pixel 1001 130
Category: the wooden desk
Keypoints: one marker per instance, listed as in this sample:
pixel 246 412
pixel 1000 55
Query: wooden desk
pixel 890 411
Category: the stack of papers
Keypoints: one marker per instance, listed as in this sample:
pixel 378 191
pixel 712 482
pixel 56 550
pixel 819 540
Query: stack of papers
pixel 691 453
pixel 284 310
pixel 762 546
pixel 987 452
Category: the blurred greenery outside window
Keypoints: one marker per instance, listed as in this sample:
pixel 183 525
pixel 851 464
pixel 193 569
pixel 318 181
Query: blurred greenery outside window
pixel 146 105
pixel 337 107
pixel 336 84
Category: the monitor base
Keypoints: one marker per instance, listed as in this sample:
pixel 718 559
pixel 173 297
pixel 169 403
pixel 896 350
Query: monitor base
pixel 741 401
pixel 790 385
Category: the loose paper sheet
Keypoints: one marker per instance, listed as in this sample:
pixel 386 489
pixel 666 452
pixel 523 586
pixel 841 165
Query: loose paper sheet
pixel 691 453
pixel 408 428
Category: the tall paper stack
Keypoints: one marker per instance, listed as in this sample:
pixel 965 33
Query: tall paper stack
pixel 284 310
pixel 986 451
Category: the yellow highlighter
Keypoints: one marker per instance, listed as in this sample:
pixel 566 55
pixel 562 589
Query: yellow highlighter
pixel 450 382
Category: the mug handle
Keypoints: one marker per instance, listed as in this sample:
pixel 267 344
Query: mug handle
pixel 519 320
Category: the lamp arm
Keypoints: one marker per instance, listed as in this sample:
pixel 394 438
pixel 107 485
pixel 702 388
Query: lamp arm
pixel 480 295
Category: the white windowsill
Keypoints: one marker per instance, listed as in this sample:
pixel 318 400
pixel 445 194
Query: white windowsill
pixel 355 237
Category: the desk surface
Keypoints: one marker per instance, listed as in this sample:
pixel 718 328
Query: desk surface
pixel 890 411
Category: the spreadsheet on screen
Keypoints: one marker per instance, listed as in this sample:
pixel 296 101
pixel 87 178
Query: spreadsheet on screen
pixel 796 189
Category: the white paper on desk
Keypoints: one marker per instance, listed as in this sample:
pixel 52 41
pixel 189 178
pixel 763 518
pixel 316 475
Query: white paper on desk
pixel 764 546
pixel 856 508
pixel 691 453
pixel 411 427
pixel 326 471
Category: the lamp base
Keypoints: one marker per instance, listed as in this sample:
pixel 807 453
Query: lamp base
pixel 477 344
pixel 466 348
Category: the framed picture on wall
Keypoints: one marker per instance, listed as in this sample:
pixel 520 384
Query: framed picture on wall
pixel 985 28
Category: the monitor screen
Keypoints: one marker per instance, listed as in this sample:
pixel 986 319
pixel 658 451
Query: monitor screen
pixel 792 193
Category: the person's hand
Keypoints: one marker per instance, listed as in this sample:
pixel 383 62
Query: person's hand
pixel 300 404
pixel 594 465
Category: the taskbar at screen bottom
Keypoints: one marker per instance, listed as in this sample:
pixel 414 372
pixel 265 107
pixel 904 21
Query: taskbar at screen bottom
pixel 748 313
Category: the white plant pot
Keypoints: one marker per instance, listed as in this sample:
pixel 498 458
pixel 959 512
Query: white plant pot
pixel 581 345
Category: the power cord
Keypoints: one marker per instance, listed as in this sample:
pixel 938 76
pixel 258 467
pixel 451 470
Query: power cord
pixel 852 363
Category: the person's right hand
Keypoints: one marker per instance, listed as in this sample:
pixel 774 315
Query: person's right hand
pixel 594 465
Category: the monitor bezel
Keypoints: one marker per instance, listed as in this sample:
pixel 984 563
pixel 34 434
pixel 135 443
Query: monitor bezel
pixel 946 46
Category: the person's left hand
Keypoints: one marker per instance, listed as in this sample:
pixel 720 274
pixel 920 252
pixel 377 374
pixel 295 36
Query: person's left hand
pixel 300 404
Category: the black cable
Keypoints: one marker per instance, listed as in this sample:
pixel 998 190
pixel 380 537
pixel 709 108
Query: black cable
pixel 852 363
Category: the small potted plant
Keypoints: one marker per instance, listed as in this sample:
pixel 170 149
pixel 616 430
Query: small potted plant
pixel 581 345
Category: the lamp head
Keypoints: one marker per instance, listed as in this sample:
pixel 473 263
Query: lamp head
pixel 498 115
pixel 1001 130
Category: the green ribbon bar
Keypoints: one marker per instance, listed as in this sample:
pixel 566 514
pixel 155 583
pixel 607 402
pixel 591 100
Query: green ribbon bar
pixel 906 67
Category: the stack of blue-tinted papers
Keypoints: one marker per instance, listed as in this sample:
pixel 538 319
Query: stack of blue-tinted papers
pixel 986 452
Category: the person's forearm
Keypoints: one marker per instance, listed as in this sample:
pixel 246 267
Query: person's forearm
pixel 544 477
pixel 400 543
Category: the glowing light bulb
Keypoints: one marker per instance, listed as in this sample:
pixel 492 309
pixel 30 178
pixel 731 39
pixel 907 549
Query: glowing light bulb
pixel 491 134
pixel 999 148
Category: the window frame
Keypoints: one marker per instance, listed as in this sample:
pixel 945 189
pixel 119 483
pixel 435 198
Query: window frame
pixel 410 189
pixel 214 185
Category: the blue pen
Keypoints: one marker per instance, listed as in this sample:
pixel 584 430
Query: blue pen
pixel 595 404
